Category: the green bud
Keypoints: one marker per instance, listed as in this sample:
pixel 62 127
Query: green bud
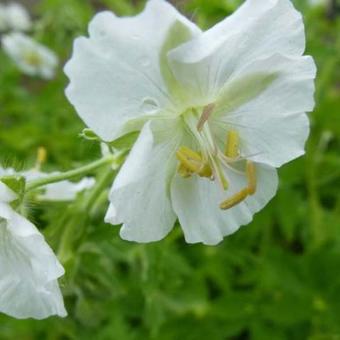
pixel 90 135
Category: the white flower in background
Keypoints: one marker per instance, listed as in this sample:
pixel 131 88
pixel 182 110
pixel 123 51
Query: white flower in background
pixel 66 190
pixel 315 3
pixel 218 112
pixel 31 57
pixel 60 191
pixel 17 17
pixel 3 20
pixel 29 270
pixel 14 17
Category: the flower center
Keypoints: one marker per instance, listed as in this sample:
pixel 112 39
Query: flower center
pixel 32 58
pixel 209 161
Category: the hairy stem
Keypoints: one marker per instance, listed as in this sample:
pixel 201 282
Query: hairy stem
pixel 84 170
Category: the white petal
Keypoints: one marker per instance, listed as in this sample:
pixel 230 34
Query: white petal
pixel 66 190
pixel 266 102
pixel 60 191
pixel 196 201
pixel 140 197
pixel 6 171
pixel 3 18
pixel 28 270
pixel 115 74
pixel 18 19
pixel 257 30
pixel 6 194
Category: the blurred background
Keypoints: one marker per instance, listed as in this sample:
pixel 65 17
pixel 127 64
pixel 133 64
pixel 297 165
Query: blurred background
pixel 277 278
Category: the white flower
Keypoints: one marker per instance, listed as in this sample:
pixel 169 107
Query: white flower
pixel 218 112
pixel 31 57
pixel 29 270
pixel 14 17
pixel 315 3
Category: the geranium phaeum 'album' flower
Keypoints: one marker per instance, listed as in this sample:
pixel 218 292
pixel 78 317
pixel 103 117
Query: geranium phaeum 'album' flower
pixel 218 112
pixel 30 57
pixel 29 270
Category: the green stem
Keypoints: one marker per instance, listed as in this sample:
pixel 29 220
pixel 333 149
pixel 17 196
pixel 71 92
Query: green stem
pixel 34 184
pixel 101 185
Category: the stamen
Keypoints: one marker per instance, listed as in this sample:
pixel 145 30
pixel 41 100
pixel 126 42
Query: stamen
pixel 235 199
pixel 191 162
pixel 207 111
pixel 41 157
pixel 251 175
pixel 219 174
pixel 232 148
pixel 189 159
pixel 183 171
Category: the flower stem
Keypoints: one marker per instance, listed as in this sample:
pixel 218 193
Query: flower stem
pixel 102 183
pixel 34 184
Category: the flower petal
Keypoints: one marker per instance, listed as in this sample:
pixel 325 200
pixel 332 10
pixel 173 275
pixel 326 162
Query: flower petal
pixel 28 270
pixel 140 197
pixel 17 17
pixel 266 102
pixel 196 202
pixel 66 190
pixel 118 73
pixel 6 194
pixel 258 29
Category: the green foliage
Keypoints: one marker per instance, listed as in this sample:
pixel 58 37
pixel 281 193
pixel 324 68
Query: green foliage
pixel 277 278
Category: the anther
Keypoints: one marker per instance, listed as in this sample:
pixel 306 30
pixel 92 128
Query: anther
pixel 235 199
pixel 232 148
pixel 207 111
pixel 192 162
pixel 251 176
pixel 245 192
pixel 41 157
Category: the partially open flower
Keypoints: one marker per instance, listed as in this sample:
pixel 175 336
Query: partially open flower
pixel 31 57
pixel 29 270
pixel 218 111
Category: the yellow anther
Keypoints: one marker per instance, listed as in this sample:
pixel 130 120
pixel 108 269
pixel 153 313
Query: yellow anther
pixel 183 171
pixel 243 194
pixel 192 162
pixel 190 159
pixel 235 199
pixel 189 154
pixel 41 157
pixel 205 171
pixel 251 176
pixel 207 111
pixel 232 147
